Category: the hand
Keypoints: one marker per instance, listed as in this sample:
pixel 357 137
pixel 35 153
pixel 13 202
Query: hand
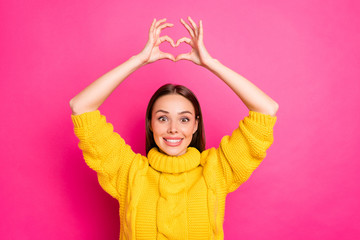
pixel 151 51
pixel 198 53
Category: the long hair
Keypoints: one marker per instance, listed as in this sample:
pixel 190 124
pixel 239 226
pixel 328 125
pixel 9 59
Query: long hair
pixel 198 139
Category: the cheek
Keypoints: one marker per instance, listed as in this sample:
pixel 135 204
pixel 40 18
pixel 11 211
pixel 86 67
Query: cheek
pixel 157 128
pixel 188 130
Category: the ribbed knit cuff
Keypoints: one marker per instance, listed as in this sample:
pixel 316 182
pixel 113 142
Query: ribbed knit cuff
pixel 85 119
pixel 263 119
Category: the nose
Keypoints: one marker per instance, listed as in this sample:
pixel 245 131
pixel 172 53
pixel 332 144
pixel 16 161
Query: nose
pixel 172 128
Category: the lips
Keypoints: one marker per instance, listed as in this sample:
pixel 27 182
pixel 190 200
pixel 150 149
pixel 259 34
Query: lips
pixel 173 142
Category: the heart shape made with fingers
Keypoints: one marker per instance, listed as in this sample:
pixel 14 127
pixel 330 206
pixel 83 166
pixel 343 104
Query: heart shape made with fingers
pixel 197 51
pixel 175 49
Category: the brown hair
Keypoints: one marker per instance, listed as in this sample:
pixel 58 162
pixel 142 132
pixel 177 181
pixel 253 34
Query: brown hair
pixel 198 139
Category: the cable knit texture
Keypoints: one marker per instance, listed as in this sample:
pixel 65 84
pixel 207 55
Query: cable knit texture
pixel 168 197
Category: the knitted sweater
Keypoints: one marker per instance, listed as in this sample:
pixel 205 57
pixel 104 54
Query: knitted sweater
pixel 169 197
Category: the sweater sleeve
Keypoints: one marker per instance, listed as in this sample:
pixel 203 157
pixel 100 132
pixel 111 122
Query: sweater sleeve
pixel 103 149
pixel 242 152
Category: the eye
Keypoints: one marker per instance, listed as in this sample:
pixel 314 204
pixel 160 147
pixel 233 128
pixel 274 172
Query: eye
pixel 162 119
pixel 185 119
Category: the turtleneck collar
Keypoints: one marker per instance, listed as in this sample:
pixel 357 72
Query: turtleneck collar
pixel 174 164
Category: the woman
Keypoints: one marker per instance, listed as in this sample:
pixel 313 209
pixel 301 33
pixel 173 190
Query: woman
pixel 178 190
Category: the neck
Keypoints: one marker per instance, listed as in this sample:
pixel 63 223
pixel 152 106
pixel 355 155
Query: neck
pixel 174 164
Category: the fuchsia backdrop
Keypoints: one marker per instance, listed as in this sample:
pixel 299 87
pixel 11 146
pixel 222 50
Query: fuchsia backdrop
pixel 303 54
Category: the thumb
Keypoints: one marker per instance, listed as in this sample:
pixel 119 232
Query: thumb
pixel 167 56
pixel 183 56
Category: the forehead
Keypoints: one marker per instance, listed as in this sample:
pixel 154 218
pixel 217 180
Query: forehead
pixel 173 103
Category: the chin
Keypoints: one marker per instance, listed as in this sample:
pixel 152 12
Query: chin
pixel 173 152
pixel 173 148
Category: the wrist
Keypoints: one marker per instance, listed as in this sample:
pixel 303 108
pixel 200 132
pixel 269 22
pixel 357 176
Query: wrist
pixel 139 59
pixel 210 63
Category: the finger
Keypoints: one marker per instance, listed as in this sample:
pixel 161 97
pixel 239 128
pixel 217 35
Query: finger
pixel 165 25
pixel 194 25
pixel 160 21
pixel 152 26
pixel 168 39
pixel 183 56
pixel 184 39
pixel 151 30
pixel 188 28
pixel 166 56
pixel 201 31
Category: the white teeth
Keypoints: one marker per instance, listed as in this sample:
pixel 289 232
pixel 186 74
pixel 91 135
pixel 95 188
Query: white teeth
pixel 172 140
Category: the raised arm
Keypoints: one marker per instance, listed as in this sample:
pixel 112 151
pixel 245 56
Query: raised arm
pixel 90 98
pixel 254 99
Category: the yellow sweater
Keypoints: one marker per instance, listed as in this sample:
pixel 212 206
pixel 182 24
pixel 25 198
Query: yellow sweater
pixel 166 197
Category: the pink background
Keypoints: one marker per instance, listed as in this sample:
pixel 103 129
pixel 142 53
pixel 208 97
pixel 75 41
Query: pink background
pixel 303 54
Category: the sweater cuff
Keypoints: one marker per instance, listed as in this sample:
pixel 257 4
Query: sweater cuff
pixel 263 119
pixel 85 119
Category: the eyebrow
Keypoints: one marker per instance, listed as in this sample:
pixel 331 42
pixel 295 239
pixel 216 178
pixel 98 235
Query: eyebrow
pixel 163 111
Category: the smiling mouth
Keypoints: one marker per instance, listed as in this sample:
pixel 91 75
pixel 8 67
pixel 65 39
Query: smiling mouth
pixel 173 142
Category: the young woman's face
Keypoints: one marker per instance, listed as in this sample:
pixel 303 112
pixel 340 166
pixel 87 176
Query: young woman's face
pixel 173 123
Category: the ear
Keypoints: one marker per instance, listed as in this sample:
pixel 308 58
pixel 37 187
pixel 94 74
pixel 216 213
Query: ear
pixel 196 125
pixel 150 126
